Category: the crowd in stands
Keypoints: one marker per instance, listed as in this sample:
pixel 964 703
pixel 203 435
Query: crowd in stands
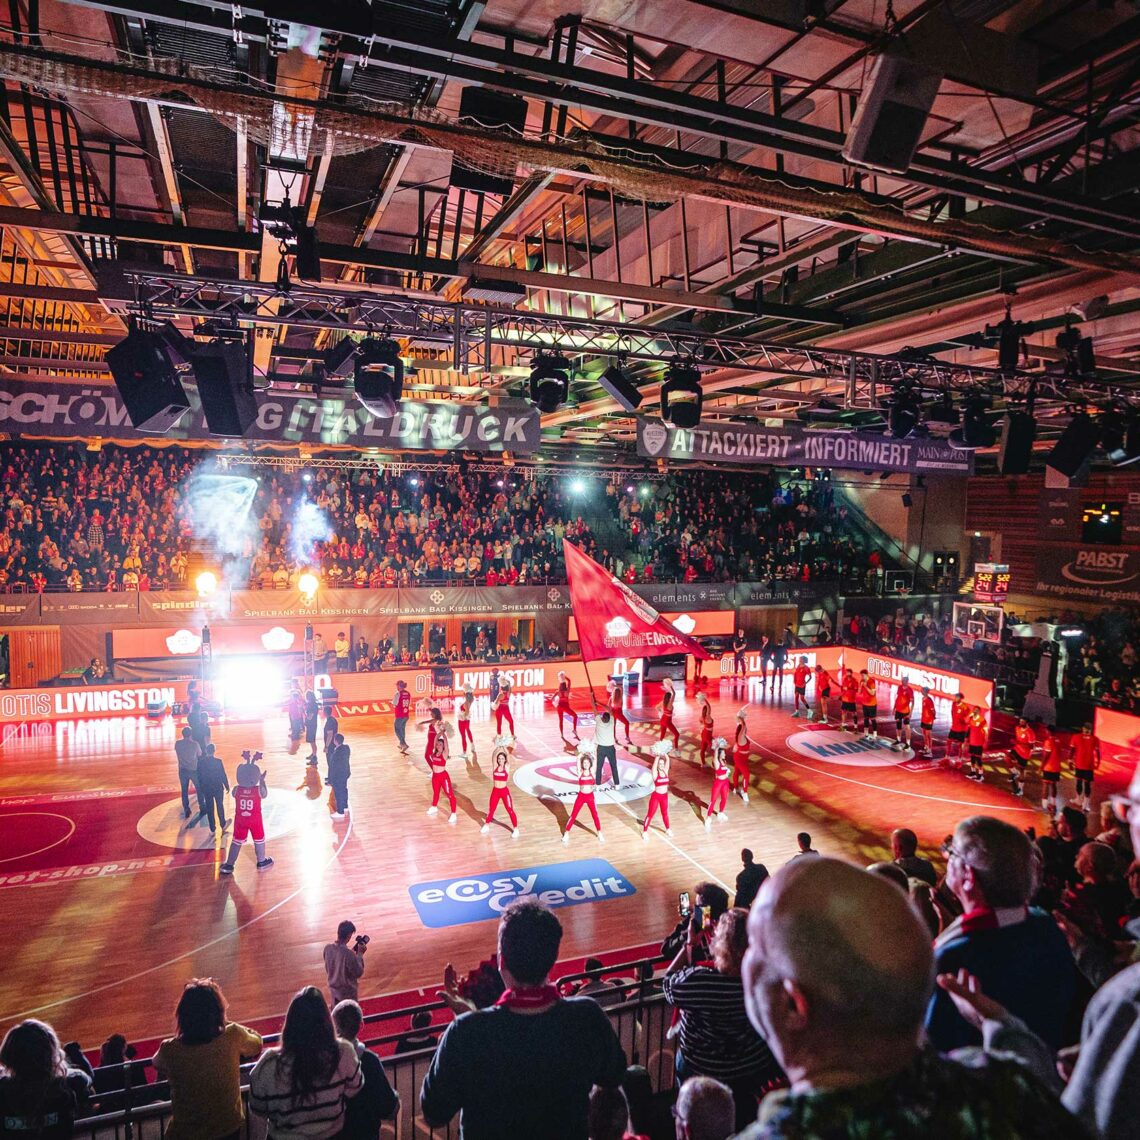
pixel 999 996
pixel 1103 659
pixel 130 519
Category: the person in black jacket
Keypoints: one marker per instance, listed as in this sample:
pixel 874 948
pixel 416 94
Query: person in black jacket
pixel 40 1095
pixel 749 880
pixel 339 772
pixel 376 1101
pixel 212 783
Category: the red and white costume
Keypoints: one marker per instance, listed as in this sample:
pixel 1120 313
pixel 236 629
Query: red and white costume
pixel 741 773
pixel 616 709
pixel 248 823
pixel 503 710
pixel 659 799
pixel 718 801
pixel 585 797
pixel 463 718
pixel 706 728
pixel 666 722
pixel 432 733
pixel 440 779
pixel 500 790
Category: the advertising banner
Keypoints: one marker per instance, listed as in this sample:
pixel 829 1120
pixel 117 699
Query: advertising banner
pixel 436 601
pixel 85 701
pixel 1131 520
pixel 324 605
pixel 90 609
pixel 225 639
pixel 19 609
pixel 676 597
pixel 754 445
pixel 1060 515
pixel 37 409
pixel 707 623
pixel 1099 573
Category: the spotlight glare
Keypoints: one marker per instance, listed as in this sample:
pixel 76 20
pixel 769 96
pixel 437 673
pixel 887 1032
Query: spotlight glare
pixel 629 489
pixel 308 583
pixel 577 487
pixel 206 583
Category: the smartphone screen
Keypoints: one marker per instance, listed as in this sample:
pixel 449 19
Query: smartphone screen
pixel 699 917
pixel 683 904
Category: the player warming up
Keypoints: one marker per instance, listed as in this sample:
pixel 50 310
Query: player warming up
pixel 976 735
pixel 868 694
pixel 500 785
pixel 718 800
pixel 926 723
pixel 562 706
pixel 616 702
pixel 1086 761
pixel 1050 770
pixel 668 697
pixel 848 701
pixel 585 796
pixel 959 727
pixel 742 742
pixel 824 682
pixel 440 779
pixel 502 706
pixel 248 792
pixel 800 677
pixel 659 799
pixel 706 725
pixel 904 706
pixel 1023 740
pixel 463 719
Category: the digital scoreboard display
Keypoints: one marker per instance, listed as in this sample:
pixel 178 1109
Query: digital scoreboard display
pixel 991 581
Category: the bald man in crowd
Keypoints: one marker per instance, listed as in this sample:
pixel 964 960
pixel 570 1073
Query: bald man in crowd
pixel 705 1110
pixel 837 977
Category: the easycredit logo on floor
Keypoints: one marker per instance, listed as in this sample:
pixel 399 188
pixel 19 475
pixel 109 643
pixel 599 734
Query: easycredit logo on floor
pixel 453 902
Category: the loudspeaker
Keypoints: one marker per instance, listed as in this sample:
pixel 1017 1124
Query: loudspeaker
pixel 499 112
pixel 225 388
pixel 308 254
pixel 891 113
pixel 1017 436
pixel 620 388
pixel 1072 452
pixel 147 382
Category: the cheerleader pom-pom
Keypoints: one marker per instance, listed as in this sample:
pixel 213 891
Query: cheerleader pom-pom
pixel 719 742
pixel 448 729
pixel 505 740
pixel 661 748
pixel 585 748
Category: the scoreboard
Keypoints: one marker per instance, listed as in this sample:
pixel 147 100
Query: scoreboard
pixel 991 581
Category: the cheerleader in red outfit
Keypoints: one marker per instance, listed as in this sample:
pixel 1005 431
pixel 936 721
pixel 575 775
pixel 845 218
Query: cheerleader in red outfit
pixel 500 785
pixel 440 780
pixel 614 688
pixel 585 796
pixel 706 725
pixel 463 717
pixel 718 801
pixel 667 698
pixel 562 705
pixel 503 709
pixel 741 774
pixel 659 800
pixel 433 724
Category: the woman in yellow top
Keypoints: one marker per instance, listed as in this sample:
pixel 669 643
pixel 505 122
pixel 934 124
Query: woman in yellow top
pixel 203 1065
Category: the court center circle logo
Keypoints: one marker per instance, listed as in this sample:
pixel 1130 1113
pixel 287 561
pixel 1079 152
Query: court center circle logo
pixel 853 750
pixel 558 778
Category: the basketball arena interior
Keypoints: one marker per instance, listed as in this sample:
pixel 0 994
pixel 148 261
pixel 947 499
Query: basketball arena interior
pixel 619 469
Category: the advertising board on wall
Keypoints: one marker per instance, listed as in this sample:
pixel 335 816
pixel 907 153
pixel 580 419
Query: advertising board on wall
pixel 1108 574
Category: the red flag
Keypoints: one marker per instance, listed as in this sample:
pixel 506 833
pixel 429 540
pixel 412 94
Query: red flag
pixel 612 620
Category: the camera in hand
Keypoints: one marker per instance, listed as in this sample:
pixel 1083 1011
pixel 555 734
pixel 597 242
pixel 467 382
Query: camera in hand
pixel 362 940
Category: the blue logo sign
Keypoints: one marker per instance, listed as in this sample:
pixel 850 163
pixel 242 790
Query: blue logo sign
pixel 452 902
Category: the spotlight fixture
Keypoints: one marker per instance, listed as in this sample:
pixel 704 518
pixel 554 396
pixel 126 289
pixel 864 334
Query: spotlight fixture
pixel 976 430
pixel 1009 335
pixel 1080 360
pixel 378 374
pixel 549 381
pixel 904 413
pixel 681 396
pixel 338 359
pixel 287 224
pixel 1120 436
pixel 616 383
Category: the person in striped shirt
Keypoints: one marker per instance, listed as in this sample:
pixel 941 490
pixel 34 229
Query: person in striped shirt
pixel 301 1088
pixel 716 1038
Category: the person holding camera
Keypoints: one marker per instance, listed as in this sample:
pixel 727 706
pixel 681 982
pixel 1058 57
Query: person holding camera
pixel 344 964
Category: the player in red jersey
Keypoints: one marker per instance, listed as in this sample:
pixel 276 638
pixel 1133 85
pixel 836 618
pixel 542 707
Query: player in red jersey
pixel 1050 770
pixel 440 780
pixel 1086 761
pixel 976 735
pixel 463 719
pixel 500 785
pixel 502 706
pixel 823 686
pixel 659 799
pixel 248 791
pixel 848 697
pixel 585 796
pixel 562 705
pixel 868 697
pixel 741 743
pixel 800 677
pixel 616 699
pixel 668 696
pixel 959 727
pixel 904 705
pixel 1023 740
pixel 718 799
pixel 926 722
pixel 706 725
pixel 403 709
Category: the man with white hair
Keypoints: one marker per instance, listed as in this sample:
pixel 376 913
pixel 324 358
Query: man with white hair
pixel 705 1110
pixel 837 977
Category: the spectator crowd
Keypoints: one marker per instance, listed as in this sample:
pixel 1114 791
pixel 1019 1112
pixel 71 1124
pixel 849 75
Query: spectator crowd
pixel 126 519
pixel 988 989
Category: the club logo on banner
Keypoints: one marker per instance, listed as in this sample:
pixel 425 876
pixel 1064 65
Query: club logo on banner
pixel 1107 575
pixel 557 778
pixel 476 898
pixel 843 748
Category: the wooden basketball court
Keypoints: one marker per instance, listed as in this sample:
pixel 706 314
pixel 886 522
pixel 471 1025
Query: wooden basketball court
pixel 110 903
